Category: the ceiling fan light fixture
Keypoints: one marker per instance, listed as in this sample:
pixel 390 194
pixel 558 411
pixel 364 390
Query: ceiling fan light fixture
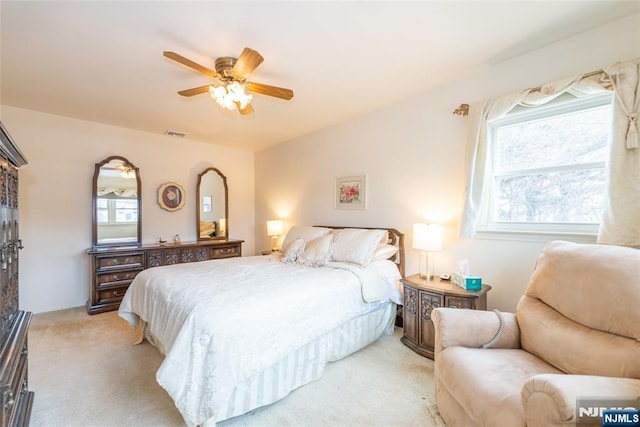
pixel 127 172
pixel 230 95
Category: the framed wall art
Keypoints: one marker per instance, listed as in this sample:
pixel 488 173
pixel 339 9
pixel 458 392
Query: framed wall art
pixel 351 192
pixel 171 196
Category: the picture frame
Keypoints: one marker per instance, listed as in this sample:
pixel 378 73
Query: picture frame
pixel 351 192
pixel 171 196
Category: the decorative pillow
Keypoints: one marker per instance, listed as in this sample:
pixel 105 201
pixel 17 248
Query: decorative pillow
pixel 357 245
pixel 383 252
pixel 292 251
pixel 317 252
pixel 305 232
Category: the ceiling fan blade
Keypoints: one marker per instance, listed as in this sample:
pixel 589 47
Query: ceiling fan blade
pixel 194 91
pixel 278 92
pixel 189 63
pixel 247 110
pixel 247 62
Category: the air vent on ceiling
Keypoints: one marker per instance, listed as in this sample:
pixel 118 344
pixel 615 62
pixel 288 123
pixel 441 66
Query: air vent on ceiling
pixel 175 133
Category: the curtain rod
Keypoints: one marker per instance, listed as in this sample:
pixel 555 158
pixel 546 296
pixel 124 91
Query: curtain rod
pixel 463 109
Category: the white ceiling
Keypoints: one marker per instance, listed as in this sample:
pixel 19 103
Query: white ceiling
pixel 102 61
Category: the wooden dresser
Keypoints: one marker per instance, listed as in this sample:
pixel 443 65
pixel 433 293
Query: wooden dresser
pixel 113 268
pixel 421 297
pixel 15 398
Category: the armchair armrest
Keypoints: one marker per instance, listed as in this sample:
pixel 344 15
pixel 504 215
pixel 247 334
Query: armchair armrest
pixel 550 399
pixel 472 328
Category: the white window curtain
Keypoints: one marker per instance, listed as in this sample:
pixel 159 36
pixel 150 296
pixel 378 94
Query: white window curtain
pixel 621 222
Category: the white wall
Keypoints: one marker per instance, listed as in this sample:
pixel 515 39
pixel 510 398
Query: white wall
pixel 55 196
pixel 413 154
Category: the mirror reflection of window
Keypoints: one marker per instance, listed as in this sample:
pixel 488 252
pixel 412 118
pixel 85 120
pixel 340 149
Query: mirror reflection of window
pixel 206 204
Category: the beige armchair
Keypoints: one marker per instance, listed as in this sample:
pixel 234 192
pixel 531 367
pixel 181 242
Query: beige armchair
pixel 575 334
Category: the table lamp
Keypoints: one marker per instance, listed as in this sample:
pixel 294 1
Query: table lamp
pixel 274 230
pixel 427 238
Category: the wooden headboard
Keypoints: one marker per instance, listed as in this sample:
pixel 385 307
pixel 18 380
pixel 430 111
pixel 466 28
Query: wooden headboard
pixel 396 239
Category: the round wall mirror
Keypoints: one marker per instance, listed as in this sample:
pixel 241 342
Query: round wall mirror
pixel 117 220
pixel 211 205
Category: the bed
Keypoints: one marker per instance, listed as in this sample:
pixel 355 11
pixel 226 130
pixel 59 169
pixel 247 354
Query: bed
pixel 241 333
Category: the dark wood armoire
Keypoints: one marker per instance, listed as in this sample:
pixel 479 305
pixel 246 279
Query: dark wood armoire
pixel 15 398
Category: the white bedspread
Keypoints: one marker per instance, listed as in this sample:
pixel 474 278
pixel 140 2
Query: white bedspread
pixel 219 322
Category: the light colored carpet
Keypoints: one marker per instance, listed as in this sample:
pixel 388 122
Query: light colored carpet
pixel 86 372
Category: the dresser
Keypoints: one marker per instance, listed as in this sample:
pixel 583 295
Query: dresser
pixel 114 268
pixel 15 398
pixel 421 297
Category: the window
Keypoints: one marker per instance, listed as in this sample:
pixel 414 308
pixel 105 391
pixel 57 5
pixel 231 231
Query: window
pixel 117 211
pixel 548 166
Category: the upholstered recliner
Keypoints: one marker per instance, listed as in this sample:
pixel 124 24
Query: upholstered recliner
pixel 575 334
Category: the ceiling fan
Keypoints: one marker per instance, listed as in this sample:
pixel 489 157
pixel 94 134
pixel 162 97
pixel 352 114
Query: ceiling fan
pixel 232 74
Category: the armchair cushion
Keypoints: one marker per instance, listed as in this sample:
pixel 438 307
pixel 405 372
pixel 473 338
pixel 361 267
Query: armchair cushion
pixel 572 347
pixel 484 380
pixel 604 291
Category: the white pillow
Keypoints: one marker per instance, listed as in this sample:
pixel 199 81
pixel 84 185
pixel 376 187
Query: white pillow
pixel 384 251
pixel 357 245
pixel 305 232
pixel 317 252
pixel 292 251
pixel 388 272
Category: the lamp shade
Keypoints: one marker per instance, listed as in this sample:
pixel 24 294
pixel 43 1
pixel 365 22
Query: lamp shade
pixel 274 227
pixel 223 226
pixel 427 237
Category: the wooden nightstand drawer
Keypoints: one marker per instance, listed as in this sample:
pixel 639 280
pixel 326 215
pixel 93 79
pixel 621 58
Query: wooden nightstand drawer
pixel 455 302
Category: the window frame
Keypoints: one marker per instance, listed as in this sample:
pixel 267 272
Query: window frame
pixel 111 211
pixel 487 227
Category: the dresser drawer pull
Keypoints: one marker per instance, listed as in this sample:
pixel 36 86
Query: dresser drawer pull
pixel 9 398
pixel 119 293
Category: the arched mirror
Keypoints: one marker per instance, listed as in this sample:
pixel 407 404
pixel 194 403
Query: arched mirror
pixel 117 219
pixel 212 205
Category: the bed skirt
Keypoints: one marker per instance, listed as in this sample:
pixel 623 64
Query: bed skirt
pixel 308 362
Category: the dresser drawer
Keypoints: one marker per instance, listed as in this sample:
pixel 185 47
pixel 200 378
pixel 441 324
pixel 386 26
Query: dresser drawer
pixel 11 395
pixel 131 260
pixel 111 295
pixel 225 252
pixel 194 255
pixel 13 377
pixel 117 278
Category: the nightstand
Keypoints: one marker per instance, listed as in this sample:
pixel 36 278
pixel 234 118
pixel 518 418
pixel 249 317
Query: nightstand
pixel 421 297
pixel 269 252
